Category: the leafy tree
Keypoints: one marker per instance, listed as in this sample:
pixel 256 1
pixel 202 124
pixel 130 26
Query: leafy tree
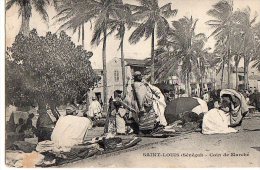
pixel 46 69
pixel 153 22
pixel 25 9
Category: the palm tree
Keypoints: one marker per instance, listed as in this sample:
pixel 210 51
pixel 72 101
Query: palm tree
pixel 25 10
pixel 101 11
pixel 153 21
pixel 189 44
pixel 244 23
pixel 220 58
pixel 236 48
pixel 180 47
pixel 68 14
pixel 222 11
pixel 256 58
pixel 123 21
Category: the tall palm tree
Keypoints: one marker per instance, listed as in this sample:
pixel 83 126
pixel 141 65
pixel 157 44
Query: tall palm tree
pixel 236 45
pixel 245 24
pixel 120 23
pixel 220 58
pixel 180 47
pixel 256 59
pixel 153 22
pixel 222 11
pixel 101 11
pixel 68 14
pixel 25 10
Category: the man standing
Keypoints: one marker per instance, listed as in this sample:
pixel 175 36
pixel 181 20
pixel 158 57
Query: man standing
pixel 146 96
pixel 95 109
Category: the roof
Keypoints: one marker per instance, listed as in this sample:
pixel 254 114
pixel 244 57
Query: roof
pixel 254 77
pixel 136 62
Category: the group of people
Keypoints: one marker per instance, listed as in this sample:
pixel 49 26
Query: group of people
pixel 25 127
pixel 145 105
pixel 140 110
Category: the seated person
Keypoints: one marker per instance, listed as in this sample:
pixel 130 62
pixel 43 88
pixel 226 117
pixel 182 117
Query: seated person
pixel 28 127
pixel 20 127
pixel 70 130
pixel 218 120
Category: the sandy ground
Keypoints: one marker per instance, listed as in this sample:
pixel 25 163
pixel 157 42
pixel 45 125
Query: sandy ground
pixel 240 149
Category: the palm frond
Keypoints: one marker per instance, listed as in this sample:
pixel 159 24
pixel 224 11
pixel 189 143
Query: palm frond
pixel 162 27
pixel 167 12
pixel 10 3
pixel 40 7
pixel 137 34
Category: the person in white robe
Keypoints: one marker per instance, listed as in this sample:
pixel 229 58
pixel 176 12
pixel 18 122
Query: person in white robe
pixel 217 121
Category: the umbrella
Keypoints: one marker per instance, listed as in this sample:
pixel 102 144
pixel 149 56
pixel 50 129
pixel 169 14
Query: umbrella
pixel 178 106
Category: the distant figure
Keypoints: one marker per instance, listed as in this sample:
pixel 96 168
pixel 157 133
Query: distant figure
pixel 255 100
pixel 214 99
pixel 20 127
pixel 205 96
pixel 95 109
pixel 28 126
pixel 44 126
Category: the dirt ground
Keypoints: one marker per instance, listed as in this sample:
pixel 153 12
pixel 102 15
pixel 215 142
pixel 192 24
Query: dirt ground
pixel 240 149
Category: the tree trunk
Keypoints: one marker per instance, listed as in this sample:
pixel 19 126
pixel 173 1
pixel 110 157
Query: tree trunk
pixel 228 86
pixel 222 74
pixel 25 27
pixel 123 65
pixel 202 86
pixel 83 36
pixel 152 58
pixel 104 69
pixel 236 77
pixel 246 64
pixel 188 84
pixel 41 105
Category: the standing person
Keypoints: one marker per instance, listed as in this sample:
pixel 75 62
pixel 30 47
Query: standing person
pixel 147 98
pixel 95 109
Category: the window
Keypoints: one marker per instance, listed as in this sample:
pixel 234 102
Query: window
pixel 241 78
pixel 116 75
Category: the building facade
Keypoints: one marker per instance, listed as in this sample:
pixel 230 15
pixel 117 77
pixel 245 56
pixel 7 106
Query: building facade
pixel 114 76
pixel 253 78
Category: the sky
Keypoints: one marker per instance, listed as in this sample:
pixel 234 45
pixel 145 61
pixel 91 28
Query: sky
pixel 141 50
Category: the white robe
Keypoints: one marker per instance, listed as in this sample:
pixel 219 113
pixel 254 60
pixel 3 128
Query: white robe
pixel 201 108
pixel 70 130
pixel 95 109
pixel 159 104
pixel 216 121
